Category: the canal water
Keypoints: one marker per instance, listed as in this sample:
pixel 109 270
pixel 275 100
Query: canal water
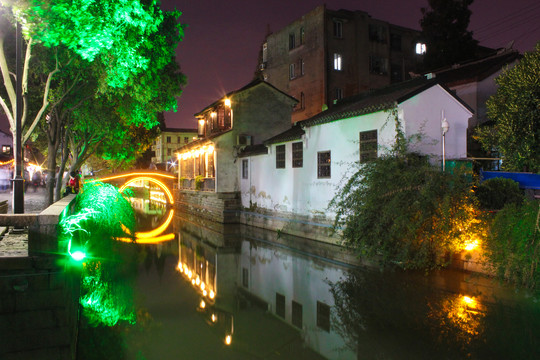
pixel 210 291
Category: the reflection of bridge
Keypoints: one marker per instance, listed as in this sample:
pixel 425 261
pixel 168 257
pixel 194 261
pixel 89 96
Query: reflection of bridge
pixel 162 179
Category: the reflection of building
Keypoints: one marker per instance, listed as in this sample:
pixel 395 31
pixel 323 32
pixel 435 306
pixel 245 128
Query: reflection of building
pixel 165 145
pixel 327 55
pixel 247 275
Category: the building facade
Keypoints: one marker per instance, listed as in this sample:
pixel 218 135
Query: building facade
pixel 290 187
pixel 327 55
pixel 165 145
pixel 242 118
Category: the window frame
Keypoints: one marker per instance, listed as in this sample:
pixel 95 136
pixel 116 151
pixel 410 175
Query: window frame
pixel 324 170
pixel 297 154
pixel 292 71
pixel 280 156
pixel 338 62
pixel 323 316
pixel 368 150
pixel 338 29
pixel 245 169
pixel 292 41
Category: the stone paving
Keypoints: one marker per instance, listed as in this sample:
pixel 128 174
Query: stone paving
pixel 15 243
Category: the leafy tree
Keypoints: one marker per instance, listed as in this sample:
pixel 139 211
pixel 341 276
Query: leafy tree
pixel 515 112
pixel 399 209
pixel 513 246
pixel 444 28
pixel 494 194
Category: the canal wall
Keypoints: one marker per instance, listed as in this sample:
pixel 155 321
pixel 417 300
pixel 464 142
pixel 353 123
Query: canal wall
pixel 219 207
pixel 225 208
pixel 38 292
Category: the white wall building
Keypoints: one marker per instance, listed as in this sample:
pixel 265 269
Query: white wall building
pixel 304 165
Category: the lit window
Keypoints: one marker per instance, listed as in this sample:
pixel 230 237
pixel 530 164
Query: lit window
pixel 280 157
pixel 420 48
pixel 337 61
pixel 323 165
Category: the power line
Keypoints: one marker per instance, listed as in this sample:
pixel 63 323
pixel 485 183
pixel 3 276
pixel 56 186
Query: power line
pixel 509 17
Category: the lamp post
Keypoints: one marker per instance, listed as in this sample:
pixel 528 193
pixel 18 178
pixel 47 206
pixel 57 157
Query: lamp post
pixel 444 126
pixel 18 180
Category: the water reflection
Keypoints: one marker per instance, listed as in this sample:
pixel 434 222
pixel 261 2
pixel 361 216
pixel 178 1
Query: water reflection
pixel 236 292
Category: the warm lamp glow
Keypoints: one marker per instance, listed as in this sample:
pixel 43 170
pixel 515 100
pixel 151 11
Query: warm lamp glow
pixel 202 304
pixel 471 245
pixel 228 102
pixel 197 281
pixel 228 340
pixel 213 114
pixel 192 281
pixel 201 122
pixel 202 286
pixel 214 318
pixel 212 294
pixel 204 293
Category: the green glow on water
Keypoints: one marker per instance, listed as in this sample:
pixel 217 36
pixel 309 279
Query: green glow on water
pixel 100 213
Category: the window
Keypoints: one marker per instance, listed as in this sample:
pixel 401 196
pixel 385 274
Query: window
pixel 186 139
pixel 323 316
pixel 292 41
pixel 168 139
pixel 337 62
pixel 169 152
pixel 377 33
pixel 302 100
pixel 378 65
pixel 420 48
pixel 338 94
pixel 368 145
pixel 245 164
pixel 280 305
pixel 245 277
pixel 6 149
pixel 297 155
pixel 292 71
pixel 297 314
pixel 323 164
pixel 280 157
pixel 301 63
pixel 302 36
pixel 396 74
pixel 338 29
pixel 395 42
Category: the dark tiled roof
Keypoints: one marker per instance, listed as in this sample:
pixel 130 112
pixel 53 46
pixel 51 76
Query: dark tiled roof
pixel 373 101
pixel 250 150
pixel 178 130
pixel 246 87
pixel 293 133
pixel 476 70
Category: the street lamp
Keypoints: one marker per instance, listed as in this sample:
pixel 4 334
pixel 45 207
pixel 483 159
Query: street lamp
pixel 444 126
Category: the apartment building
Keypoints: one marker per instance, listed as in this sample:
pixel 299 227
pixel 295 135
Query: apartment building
pixel 165 145
pixel 327 55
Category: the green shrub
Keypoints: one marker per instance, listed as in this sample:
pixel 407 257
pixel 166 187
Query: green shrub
pixel 199 180
pixel 513 247
pixel 494 194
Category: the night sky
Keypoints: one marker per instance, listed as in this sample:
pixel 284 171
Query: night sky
pixel 223 38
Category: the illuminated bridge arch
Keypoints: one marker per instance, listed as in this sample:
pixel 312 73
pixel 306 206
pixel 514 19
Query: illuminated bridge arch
pixel 162 180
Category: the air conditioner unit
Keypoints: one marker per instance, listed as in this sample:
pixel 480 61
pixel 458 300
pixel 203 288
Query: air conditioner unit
pixel 243 140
